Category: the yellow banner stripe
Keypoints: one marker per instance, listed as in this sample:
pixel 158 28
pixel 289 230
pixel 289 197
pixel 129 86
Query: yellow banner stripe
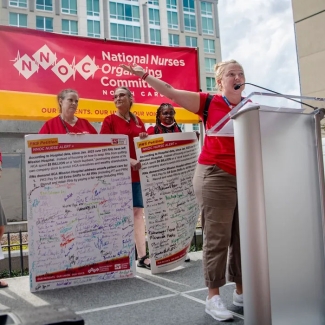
pixel 32 106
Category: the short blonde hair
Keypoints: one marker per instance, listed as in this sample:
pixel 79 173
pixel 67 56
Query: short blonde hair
pixel 219 70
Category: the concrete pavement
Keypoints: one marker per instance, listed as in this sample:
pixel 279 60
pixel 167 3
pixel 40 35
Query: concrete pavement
pixel 175 297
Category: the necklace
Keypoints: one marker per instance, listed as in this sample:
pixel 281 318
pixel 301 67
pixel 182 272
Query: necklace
pixel 123 116
pixel 69 122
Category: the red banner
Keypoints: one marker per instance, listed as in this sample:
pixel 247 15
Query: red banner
pixel 39 63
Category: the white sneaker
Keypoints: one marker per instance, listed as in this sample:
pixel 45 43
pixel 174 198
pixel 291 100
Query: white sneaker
pixel 238 300
pixel 216 308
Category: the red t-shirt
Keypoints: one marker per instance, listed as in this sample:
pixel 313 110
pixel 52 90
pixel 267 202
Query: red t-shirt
pixel 0 157
pixel 218 151
pixel 56 126
pixel 113 124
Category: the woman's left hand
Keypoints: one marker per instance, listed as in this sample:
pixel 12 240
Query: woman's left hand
pixel 143 135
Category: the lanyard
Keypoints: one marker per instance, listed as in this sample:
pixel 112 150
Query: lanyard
pixel 68 132
pixel 228 102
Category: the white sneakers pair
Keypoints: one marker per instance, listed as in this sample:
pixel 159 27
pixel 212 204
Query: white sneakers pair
pixel 217 309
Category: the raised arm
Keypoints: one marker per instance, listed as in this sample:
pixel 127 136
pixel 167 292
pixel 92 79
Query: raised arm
pixel 188 99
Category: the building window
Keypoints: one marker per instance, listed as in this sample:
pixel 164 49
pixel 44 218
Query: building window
pixel 189 22
pixel 93 8
pixel 125 33
pixel 18 3
pixel 123 11
pixel 93 28
pixel 69 7
pixel 18 20
pixel 171 4
pixel 154 18
pixel 210 84
pixel 206 9
pixel 69 27
pixel 173 40
pixel 209 46
pixel 207 26
pixel 207 20
pixel 196 127
pixel 44 23
pixel 155 36
pixel 189 6
pixel 209 64
pixel 172 18
pixel 191 41
pixel 46 5
pixel 153 2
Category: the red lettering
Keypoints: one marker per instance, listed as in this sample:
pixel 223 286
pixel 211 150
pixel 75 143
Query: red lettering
pixel 83 67
pixel 65 70
pixel 48 110
pixel 28 65
pixel 101 111
pixel 45 57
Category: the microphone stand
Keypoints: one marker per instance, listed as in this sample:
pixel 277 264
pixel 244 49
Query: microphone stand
pixel 236 87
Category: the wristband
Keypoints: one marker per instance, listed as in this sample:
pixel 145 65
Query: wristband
pixel 144 77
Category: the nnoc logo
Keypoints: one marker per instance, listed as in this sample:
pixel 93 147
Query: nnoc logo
pixel 45 58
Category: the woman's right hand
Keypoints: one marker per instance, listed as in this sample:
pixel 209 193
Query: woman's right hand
pixel 134 69
pixel 135 164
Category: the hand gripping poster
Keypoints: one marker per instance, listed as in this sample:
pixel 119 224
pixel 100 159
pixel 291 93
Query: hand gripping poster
pixel 171 211
pixel 79 209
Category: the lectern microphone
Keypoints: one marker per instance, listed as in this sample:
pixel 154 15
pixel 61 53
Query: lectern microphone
pixel 236 87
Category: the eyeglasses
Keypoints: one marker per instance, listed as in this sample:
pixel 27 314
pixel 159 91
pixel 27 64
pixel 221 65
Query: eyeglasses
pixel 121 95
pixel 168 113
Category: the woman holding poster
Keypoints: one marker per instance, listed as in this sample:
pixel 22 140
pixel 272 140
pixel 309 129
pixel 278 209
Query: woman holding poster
pixel 214 182
pixel 125 122
pixel 67 122
pixel 166 123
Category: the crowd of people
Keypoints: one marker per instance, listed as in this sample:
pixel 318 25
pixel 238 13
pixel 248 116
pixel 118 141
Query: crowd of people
pixel 214 181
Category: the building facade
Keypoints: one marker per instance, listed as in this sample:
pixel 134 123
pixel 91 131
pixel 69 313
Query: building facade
pixel 192 23
pixel 309 19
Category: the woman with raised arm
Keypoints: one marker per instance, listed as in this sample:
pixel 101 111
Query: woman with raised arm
pixel 123 121
pixel 214 182
pixel 66 122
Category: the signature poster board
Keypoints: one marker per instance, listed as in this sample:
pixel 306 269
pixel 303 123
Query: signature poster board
pixel 80 215
pixel 171 211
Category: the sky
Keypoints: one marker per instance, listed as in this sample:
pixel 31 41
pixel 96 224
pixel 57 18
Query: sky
pixel 259 34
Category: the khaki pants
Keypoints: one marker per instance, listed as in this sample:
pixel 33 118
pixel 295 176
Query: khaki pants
pixel 216 192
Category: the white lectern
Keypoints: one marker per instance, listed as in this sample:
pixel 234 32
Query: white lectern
pixel 280 181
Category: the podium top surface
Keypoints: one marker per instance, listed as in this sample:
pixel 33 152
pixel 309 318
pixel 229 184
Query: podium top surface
pixel 263 101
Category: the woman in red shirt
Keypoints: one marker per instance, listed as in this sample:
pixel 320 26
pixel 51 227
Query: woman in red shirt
pixel 165 120
pixel 67 122
pixel 214 182
pixel 123 121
